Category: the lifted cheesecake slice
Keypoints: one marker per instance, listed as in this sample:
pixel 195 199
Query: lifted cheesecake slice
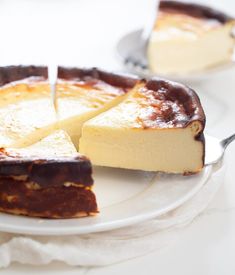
pixel 159 127
pixel 48 179
pixel 189 37
pixel 84 93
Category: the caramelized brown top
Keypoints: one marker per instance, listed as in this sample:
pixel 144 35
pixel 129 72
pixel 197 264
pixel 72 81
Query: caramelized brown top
pixel 195 10
pixel 70 77
pixel 167 104
pixel 95 76
pixel 161 104
pixel 156 104
pixel 67 88
pixel 170 24
pixel 13 73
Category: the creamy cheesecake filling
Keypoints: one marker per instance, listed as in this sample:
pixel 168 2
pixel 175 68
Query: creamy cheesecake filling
pixel 182 42
pixel 170 151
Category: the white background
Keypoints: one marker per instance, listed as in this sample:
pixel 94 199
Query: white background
pixel 84 33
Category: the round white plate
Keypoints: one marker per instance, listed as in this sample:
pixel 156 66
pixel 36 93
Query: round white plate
pixel 129 41
pixel 125 197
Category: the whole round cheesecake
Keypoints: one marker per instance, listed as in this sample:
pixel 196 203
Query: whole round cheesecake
pixel 104 119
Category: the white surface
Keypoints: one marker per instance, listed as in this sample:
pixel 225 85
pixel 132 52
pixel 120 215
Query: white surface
pixel 147 195
pixel 205 247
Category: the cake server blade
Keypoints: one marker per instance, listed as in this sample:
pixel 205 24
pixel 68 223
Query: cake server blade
pixel 215 148
pixel 52 75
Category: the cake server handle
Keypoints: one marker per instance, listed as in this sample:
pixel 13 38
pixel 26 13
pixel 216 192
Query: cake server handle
pixel 225 142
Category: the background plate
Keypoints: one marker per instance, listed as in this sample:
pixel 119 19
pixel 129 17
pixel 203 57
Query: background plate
pixel 125 197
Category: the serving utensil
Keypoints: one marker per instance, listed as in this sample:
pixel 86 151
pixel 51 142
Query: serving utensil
pixel 215 148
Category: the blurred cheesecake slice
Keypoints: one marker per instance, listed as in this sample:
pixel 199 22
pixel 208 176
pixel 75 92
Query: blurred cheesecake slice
pixel 158 127
pixel 188 38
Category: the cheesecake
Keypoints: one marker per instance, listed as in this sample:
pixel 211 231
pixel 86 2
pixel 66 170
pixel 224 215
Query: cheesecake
pixel 189 38
pixel 102 118
pixel 48 179
pixel 158 127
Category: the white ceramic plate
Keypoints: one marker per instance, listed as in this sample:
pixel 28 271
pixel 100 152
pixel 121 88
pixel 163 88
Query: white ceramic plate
pixel 125 197
pixel 129 41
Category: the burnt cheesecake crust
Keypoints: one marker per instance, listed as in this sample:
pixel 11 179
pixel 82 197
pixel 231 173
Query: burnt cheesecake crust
pixel 93 75
pixel 13 73
pixel 175 105
pixel 49 188
pixel 53 183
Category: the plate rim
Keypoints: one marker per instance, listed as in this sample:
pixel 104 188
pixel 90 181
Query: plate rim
pixel 66 230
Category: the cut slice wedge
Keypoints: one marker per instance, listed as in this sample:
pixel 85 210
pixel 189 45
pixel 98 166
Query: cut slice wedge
pixel 157 128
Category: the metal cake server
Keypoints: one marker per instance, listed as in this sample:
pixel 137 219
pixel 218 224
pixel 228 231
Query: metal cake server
pixel 52 75
pixel 215 148
pixel 137 55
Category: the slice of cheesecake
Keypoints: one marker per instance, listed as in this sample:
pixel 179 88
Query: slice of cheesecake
pixel 26 110
pixel 158 127
pixel 188 38
pixel 85 93
pixel 48 179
